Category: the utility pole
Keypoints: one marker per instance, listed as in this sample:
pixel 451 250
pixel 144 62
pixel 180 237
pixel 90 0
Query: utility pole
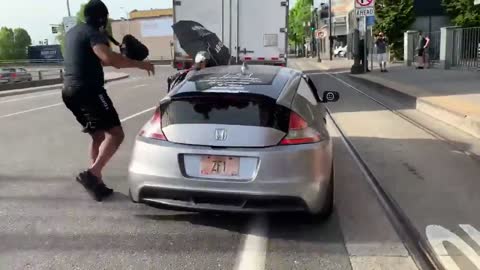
pixel 68 8
pixel 330 40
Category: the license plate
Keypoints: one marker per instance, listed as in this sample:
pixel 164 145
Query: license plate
pixel 220 166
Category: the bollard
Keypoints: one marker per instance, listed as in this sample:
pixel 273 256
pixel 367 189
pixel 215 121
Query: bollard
pixel 61 74
pixel 40 75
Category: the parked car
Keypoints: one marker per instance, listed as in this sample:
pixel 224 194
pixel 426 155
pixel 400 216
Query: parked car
pixel 240 139
pixel 340 51
pixel 14 75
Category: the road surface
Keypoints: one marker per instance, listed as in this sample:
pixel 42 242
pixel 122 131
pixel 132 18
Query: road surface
pixel 47 221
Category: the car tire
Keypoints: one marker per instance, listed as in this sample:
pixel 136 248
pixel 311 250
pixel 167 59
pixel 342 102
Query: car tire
pixel 328 204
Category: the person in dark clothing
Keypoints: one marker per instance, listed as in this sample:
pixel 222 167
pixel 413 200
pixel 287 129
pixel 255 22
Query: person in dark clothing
pixel 422 49
pixel 87 49
pixel 382 44
pixel 363 58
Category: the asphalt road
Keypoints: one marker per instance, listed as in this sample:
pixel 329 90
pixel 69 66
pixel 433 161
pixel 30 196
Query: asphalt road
pixel 47 221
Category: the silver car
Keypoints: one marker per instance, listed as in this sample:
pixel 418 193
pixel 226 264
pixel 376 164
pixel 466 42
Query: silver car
pixel 237 138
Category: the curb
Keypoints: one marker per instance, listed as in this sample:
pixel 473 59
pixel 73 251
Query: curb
pixel 48 88
pixel 466 123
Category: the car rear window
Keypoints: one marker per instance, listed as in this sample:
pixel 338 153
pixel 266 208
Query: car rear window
pixel 226 109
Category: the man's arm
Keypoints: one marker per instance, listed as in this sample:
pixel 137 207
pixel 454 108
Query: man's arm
pixel 427 43
pixel 111 58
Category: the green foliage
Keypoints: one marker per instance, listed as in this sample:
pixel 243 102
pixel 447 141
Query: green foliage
pixel 21 43
pixel 6 43
pixel 463 12
pixel 14 43
pixel 394 17
pixel 299 14
pixel 81 14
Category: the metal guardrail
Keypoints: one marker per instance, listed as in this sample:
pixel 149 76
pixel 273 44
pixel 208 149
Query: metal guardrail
pixel 466 48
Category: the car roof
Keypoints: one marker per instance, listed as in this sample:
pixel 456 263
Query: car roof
pixel 255 79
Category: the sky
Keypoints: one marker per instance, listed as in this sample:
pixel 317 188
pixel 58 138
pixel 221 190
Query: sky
pixel 36 16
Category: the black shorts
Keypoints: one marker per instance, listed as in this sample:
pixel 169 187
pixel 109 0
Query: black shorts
pixel 93 108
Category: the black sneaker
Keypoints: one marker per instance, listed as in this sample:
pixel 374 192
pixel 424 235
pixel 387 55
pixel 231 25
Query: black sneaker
pixel 90 182
pixel 385 70
pixel 104 190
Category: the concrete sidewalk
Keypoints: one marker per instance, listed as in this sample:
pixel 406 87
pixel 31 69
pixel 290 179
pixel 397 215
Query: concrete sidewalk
pixel 450 96
pixel 109 77
pixel 312 65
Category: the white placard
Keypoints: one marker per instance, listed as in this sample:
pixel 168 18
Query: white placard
pixel 361 12
pixel 69 23
pixel 157 27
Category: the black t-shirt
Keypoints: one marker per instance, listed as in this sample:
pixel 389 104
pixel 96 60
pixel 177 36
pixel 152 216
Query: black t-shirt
pixel 83 68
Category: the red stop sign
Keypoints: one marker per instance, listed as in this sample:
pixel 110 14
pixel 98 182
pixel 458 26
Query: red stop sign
pixel 364 3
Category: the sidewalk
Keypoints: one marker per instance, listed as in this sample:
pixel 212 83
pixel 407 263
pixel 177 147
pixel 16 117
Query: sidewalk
pixel 109 77
pixel 311 64
pixel 450 96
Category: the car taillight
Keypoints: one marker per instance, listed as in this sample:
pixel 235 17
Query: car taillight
pixel 153 128
pixel 299 132
pixel 13 75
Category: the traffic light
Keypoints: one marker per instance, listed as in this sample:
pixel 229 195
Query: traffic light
pixel 312 26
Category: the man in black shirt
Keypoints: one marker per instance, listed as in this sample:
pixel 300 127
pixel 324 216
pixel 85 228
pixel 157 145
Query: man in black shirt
pixel 87 50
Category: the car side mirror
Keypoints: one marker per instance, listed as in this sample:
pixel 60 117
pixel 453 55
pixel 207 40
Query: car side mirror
pixel 330 96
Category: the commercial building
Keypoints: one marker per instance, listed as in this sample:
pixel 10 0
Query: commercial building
pixel 152 27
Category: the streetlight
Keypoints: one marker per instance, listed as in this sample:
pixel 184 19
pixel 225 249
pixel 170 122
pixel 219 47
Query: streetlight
pixel 68 8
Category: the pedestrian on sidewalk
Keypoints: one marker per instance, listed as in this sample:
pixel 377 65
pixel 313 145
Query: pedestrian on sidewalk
pixel 422 49
pixel 381 44
pixel 86 50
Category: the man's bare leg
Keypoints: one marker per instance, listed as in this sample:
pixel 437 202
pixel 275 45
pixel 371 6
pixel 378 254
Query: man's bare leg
pixel 97 138
pixel 113 139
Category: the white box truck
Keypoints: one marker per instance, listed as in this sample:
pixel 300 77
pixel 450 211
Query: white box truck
pixel 253 30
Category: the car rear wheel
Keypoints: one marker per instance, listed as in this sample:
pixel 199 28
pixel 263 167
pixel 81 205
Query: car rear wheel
pixel 328 204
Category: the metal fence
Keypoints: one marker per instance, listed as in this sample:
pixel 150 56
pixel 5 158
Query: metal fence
pixel 466 48
pixel 433 52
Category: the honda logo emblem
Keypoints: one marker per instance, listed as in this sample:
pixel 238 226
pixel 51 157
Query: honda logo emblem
pixel 220 134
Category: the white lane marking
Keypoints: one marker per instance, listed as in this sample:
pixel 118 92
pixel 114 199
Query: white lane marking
pixel 29 97
pixel 437 235
pixel 31 110
pixel 137 114
pixel 139 86
pixel 254 252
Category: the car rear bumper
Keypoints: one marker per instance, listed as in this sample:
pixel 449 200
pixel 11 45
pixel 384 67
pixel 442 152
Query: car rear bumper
pixel 287 178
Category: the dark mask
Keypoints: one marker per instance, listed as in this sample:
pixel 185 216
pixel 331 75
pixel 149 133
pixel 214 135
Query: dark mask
pixel 96 14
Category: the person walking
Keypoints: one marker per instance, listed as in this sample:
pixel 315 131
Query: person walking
pixel 86 50
pixel 381 44
pixel 422 49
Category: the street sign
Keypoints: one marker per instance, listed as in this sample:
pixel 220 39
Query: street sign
pixel 364 3
pixel 69 23
pixel 54 29
pixel 361 12
pixel 319 34
pixel 370 20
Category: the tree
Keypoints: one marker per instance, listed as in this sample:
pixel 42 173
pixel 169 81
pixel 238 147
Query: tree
pixel 463 12
pixel 14 43
pixel 6 43
pixel 394 17
pixel 298 15
pixel 21 42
